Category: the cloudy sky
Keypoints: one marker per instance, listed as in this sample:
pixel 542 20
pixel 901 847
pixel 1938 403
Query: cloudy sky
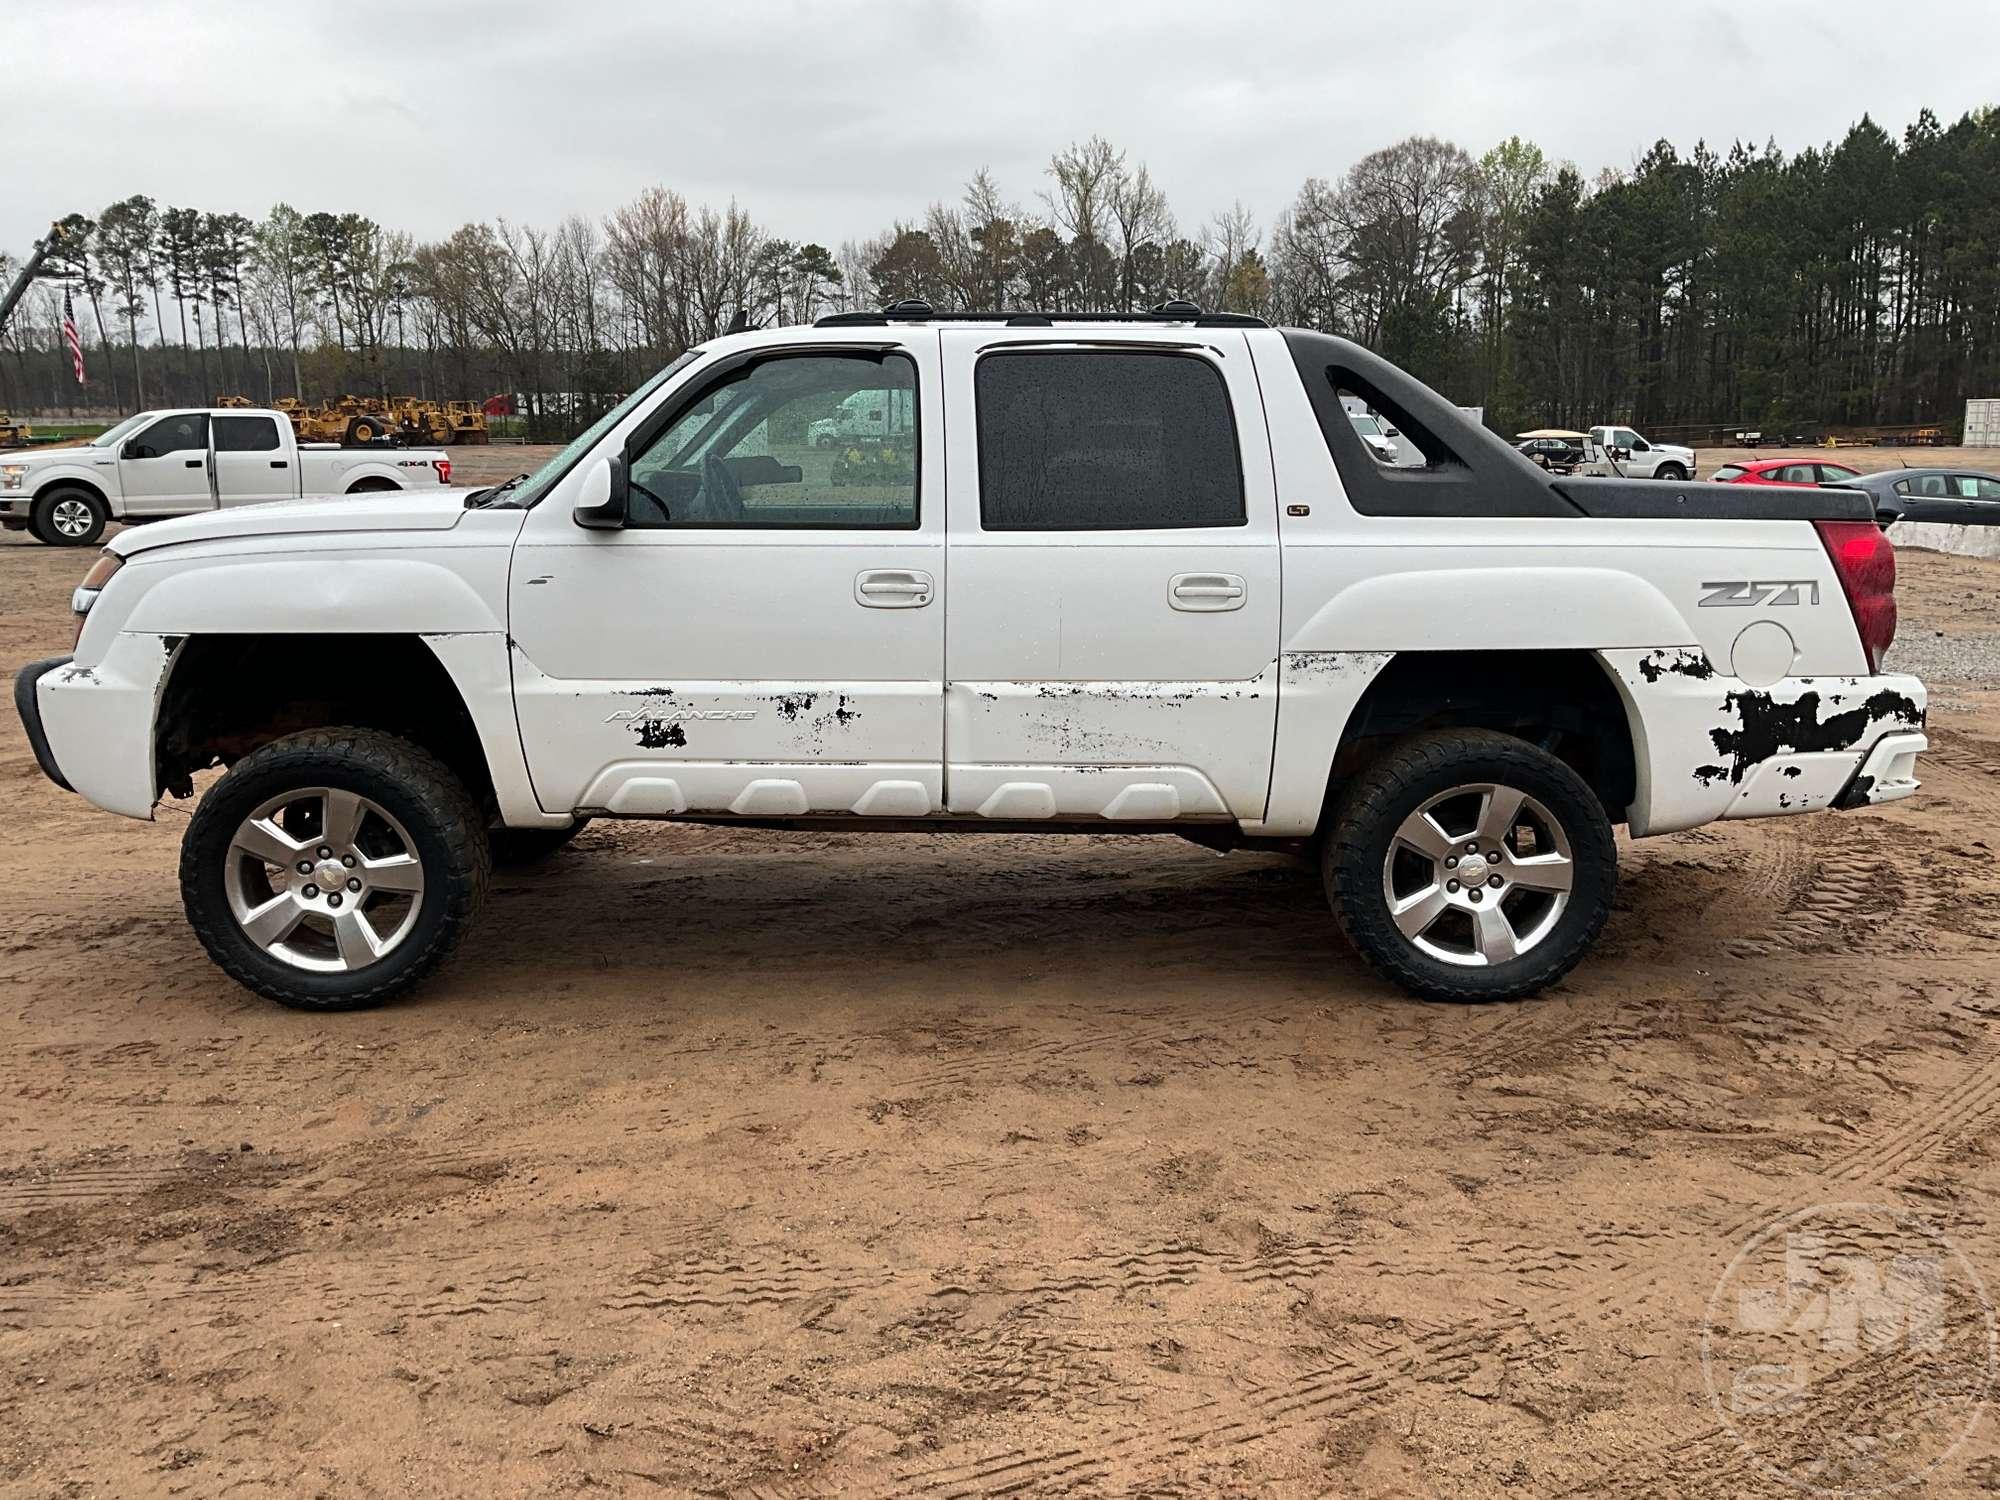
pixel 830 120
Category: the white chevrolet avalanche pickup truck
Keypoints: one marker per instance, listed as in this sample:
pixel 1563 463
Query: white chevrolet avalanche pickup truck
pixel 1130 574
pixel 178 463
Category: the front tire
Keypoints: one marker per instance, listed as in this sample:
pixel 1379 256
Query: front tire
pixel 69 518
pixel 333 869
pixel 1672 473
pixel 1467 865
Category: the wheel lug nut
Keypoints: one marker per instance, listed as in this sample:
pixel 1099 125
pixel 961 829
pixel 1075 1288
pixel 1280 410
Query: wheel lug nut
pixel 305 867
pixel 1451 885
pixel 309 892
pixel 1451 862
pixel 1494 882
pixel 355 885
pixel 324 852
pixel 334 899
pixel 1473 894
pixel 348 860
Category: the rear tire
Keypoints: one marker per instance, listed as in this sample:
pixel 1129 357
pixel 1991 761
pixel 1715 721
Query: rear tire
pixel 515 847
pixel 417 830
pixel 1500 810
pixel 69 518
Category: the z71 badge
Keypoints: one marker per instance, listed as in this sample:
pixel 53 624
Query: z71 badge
pixel 1748 595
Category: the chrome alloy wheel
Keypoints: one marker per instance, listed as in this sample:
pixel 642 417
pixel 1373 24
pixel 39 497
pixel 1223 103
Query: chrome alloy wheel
pixel 72 518
pixel 323 879
pixel 1478 875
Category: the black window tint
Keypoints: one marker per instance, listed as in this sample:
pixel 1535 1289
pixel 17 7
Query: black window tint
pixel 245 435
pixel 1105 441
pixel 181 433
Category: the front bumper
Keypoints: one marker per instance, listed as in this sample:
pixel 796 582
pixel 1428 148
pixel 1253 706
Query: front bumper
pixel 28 706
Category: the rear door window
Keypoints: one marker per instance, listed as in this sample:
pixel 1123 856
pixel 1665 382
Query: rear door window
pixel 1796 474
pixel 1105 440
pixel 246 435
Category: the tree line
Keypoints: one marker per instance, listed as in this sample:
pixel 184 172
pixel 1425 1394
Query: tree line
pixel 1852 283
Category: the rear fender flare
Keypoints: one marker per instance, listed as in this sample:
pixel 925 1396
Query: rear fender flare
pixel 1519 609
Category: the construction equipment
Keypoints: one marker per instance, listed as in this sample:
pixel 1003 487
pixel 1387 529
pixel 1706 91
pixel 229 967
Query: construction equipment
pixel 43 249
pixel 363 419
pixel 467 422
pixel 14 434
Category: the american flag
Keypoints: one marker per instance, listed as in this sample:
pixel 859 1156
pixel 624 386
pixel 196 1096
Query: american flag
pixel 70 338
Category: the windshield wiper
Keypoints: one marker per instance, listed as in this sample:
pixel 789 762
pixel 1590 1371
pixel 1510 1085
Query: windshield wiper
pixel 480 499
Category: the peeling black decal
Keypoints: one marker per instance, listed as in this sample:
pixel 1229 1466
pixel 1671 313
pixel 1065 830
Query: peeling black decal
pixel 791 705
pixel 1770 728
pixel 657 734
pixel 1706 774
pixel 651 692
pixel 1792 771
pixel 1682 661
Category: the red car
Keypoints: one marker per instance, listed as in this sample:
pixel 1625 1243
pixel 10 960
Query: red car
pixel 1793 471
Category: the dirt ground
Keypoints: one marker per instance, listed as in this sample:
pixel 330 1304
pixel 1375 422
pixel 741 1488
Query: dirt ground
pixel 742 1163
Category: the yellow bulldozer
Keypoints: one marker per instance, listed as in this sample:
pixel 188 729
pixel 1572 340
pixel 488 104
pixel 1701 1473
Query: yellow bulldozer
pixel 363 419
pixel 13 434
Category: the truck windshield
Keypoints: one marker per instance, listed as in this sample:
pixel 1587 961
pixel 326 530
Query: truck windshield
pixel 113 436
pixel 531 489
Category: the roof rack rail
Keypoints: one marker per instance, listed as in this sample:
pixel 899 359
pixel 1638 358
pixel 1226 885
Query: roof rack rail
pixel 916 310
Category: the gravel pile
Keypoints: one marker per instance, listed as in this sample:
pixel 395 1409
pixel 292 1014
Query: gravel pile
pixel 1971 657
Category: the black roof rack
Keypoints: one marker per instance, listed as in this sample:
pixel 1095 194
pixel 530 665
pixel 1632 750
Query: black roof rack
pixel 916 310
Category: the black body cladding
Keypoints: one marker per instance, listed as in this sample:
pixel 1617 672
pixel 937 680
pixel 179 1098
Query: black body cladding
pixel 1472 472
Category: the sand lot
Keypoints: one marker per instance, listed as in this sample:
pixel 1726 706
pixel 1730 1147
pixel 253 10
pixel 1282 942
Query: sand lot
pixel 742 1163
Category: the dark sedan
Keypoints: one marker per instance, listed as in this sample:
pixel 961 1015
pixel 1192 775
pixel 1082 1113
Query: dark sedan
pixel 1551 453
pixel 1953 496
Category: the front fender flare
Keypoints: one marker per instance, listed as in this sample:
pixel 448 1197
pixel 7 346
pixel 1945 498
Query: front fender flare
pixel 381 596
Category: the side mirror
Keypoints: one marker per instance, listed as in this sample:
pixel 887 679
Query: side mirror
pixel 131 449
pixel 1620 453
pixel 601 506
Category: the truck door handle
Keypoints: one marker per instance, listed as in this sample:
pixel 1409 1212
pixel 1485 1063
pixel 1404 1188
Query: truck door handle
pixel 892 588
pixel 1207 593
pixel 197 463
pixel 281 463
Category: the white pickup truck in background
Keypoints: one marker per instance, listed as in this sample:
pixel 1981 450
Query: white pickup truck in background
pixel 178 463
pixel 1634 457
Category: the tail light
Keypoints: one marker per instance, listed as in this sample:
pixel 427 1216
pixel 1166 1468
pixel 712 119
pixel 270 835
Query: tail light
pixel 443 466
pixel 1866 562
